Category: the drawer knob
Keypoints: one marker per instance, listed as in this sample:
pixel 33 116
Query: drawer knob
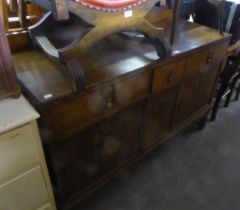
pixel 170 77
pixel 209 60
pixel 109 103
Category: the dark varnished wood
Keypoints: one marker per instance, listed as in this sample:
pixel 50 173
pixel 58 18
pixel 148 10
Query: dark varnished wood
pixel 96 152
pixel 131 103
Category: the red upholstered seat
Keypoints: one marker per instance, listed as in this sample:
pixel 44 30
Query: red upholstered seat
pixel 110 4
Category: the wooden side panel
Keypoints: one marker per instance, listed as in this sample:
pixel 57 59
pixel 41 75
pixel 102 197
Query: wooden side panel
pixel 8 81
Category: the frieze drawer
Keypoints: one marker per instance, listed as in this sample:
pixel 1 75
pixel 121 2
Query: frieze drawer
pixel 168 75
pixel 98 103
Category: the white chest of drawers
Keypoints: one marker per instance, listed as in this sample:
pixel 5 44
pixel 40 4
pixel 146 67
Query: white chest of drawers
pixel 24 179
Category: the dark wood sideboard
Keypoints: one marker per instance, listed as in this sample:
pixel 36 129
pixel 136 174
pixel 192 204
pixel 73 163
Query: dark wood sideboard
pixel 132 103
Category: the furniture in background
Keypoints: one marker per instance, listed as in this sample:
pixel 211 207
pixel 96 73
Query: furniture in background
pixel 17 16
pixel 206 13
pixel 24 179
pixel 131 103
pixel 8 80
pixel 228 80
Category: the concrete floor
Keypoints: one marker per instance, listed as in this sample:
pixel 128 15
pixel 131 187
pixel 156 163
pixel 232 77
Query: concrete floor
pixel 199 170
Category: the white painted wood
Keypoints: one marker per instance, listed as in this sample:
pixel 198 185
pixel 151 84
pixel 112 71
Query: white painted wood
pixel 18 151
pixel 15 112
pixel 25 192
pixel 44 165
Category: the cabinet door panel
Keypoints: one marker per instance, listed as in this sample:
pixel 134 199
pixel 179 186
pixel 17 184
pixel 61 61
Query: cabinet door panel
pixel 158 117
pixel 97 151
pixel 205 88
pixel 195 94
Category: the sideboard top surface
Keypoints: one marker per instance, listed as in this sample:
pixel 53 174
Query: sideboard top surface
pixel 111 58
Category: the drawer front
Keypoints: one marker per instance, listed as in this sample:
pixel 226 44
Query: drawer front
pixel 199 61
pixel 218 53
pixel 167 76
pixel 18 150
pixel 101 102
pixel 25 192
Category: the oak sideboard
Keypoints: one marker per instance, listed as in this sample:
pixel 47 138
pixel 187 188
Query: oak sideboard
pixel 131 103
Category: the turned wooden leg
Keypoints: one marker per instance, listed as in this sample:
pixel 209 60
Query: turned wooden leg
pixel 217 101
pixel 232 87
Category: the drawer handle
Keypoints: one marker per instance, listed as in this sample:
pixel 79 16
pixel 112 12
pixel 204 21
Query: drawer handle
pixel 170 77
pixel 110 102
pixel 210 58
pixel 15 135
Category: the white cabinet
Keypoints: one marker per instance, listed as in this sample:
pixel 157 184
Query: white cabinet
pixel 24 179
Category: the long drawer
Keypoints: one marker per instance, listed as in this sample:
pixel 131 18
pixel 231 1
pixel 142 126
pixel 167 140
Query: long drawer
pixel 70 116
pixel 18 151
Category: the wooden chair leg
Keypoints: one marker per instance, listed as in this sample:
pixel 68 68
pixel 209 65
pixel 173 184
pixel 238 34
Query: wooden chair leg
pixel 217 102
pixel 232 87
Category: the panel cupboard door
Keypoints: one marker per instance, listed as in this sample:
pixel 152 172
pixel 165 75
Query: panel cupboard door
pixel 96 152
pixel 158 117
pixel 195 94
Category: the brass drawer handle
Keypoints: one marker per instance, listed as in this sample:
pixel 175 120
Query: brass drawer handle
pixel 109 103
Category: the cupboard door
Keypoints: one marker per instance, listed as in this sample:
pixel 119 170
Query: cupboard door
pixel 195 94
pixel 205 88
pixel 158 117
pixel 97 151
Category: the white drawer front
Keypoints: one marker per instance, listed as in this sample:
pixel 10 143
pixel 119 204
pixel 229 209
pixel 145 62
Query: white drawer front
pixel 46 207
pixel 17 151
pixel 26 192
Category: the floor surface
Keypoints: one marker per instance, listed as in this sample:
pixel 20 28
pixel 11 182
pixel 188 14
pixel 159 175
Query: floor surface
pixel 199 170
